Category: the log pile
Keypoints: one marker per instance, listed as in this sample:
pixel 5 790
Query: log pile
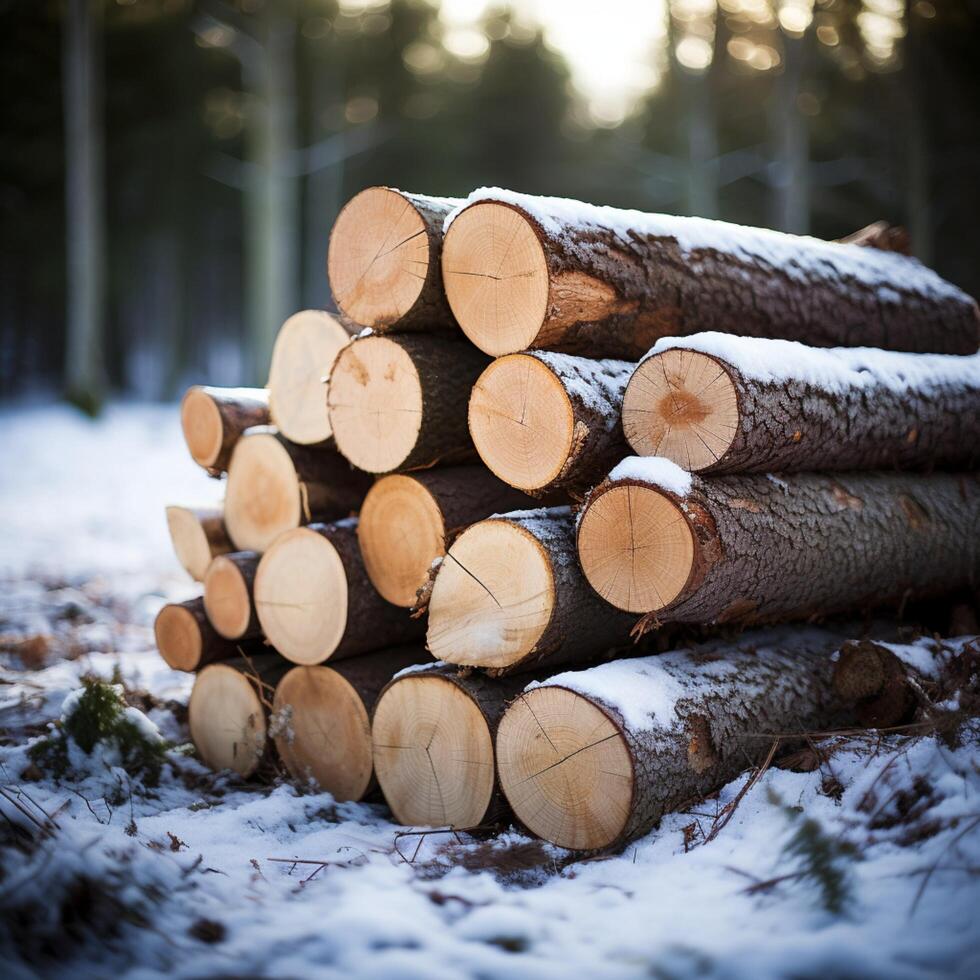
pixel 449 459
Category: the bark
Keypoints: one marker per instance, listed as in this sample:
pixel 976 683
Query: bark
pixel 371 674
pixel 240 409
pixel 214 647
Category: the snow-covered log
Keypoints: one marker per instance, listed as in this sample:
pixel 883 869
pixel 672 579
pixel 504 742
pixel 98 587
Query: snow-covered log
pixel 538 272
pixel 198 534
pixel 228 595
pixel 188 641
pixel 213 419
pixel 719 404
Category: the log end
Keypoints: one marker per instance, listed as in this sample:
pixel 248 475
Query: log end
pixel 872 679
pixel 496 277
pixel 565 769
pixel 681 404
pixel 203 426
pixel 301 596
pixel 190 541
pixel 305 349
pixel 226 598
pixel 521 421
pixel 433 753
pixel 322 731
pixel 227 720
pixel 375 400
pixel 401 531
pixel 636 547
pixel 493 597
pixel 178 637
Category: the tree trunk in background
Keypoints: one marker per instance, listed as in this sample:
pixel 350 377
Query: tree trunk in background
pixel 917 191
pixel 702 146
pixel 84 204
pixel 791 183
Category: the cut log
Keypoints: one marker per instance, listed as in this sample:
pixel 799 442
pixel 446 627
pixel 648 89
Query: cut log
pixel 530 272
pixel 399 403
pixel 543 421
pixel 321 719
pixel 593 759
pixel 315 601
pixel 228 595
pixel 304 352
pixel 213 419
pixel 742 549
pixel 407 521
pixel 383 260
pixel 274 485
pixel 228 712
pixel 433 746
pixel 717 404
pixel 198 534
pixel 509 596
pixel 187 640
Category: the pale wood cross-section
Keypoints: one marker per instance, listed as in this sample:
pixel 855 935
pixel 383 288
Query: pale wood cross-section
pixel 178 637
pixel 227 594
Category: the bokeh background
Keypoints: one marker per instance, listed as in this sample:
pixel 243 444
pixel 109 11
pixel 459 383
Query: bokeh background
pixel 170 169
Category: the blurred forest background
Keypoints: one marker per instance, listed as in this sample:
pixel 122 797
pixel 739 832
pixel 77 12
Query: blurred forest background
pixel 170 169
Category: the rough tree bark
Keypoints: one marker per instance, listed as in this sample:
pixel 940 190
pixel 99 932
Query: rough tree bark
pixel 213 420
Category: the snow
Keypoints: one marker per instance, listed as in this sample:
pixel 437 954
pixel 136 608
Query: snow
pixel 797 256
pixel 658 470
pixel 597 384
pixel 835 369
pixel 84 538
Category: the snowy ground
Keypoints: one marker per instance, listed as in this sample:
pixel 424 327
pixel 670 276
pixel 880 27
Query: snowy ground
pixel 207 876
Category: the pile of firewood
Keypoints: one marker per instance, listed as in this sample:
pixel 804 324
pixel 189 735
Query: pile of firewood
pixel 447 472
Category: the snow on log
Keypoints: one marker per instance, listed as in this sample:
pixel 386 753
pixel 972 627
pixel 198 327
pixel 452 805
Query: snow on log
pixel 510 596
pixel 228 595
pixel 228 712
pixel 742 549
pixel 594 758
pixel 539 272
pixel 303 354
pixel 315 601
pixel 433 746
pixel 719 404
pixel 408 519
pixel 321 719
pixel 188 641
pixel 543 421
pixel 399 402
pixel 383 260
pixel 213 419
pixel 275 485
pixel 198 534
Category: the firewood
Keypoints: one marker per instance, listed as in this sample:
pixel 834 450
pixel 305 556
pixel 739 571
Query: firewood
pixel 275 485
pixel 304 352
pixel 542 421
pixel 433 746
pixel 188 641
pixel 321 719
pixel 213 419
pixel 740 549
pixel 383 260
pixel 509 596
pixel 407 520
pixel 198 534
pixel 530 272
pixel 717 404
pixel 315 601
pixel 399 402
pixel 593 759
pixel 228 601
pixel 228 712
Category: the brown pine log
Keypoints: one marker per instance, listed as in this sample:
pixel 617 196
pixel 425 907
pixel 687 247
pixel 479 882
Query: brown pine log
pixel 383 260
pixel 228 712
pixel 543 421
pixel 399 402
pixel 275 485
pixel 509 596
pixel 529 272
pixel 305 349
pixel 880 234
pixel 213 419
pixel 315 600
pixel 187 640
pixel 745 549
pixel 321 719
pixel 228 595
pixel 407 521
pixel 433 746
pixel 716 404
pixel 593 759
pixel 198 534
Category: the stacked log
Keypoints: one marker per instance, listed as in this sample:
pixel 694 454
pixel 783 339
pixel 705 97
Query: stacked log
pixel 187 640
pixel 229 601
pixel 198 535
pixel 213 419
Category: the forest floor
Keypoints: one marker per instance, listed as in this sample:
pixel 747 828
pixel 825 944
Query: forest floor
pixel 866 866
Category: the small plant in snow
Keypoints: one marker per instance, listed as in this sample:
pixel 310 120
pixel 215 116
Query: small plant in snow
pixel 98 731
